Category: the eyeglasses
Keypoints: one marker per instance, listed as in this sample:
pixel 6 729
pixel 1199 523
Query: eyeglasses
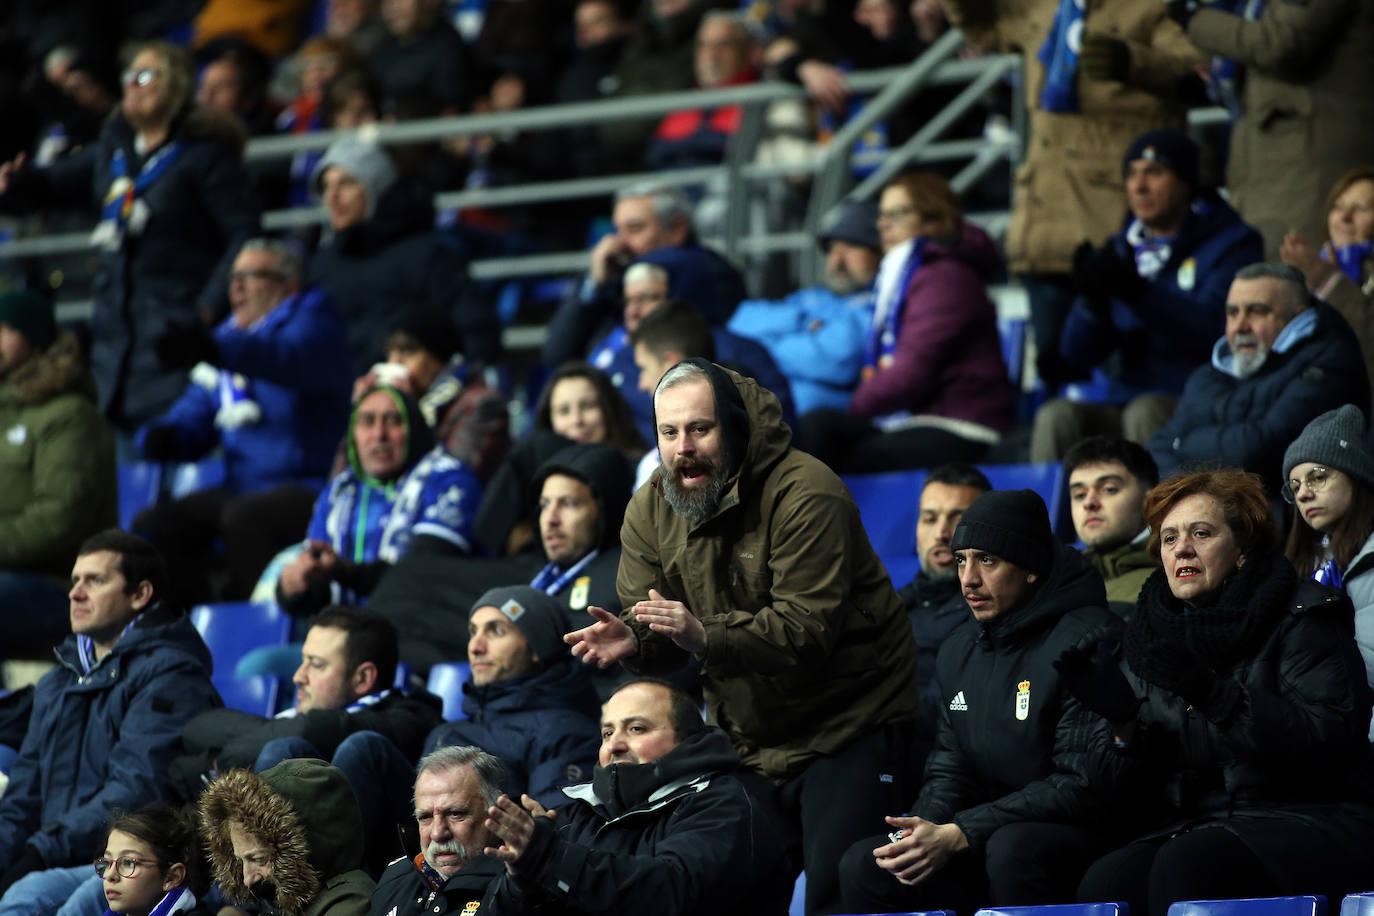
pixel 1315 481
pixel 140 77
pixel 254 275
pixel 896 213
pixel 126 866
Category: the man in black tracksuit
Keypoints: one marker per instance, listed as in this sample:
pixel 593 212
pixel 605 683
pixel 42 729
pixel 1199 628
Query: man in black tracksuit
pixel 668 825
pixel 1020 769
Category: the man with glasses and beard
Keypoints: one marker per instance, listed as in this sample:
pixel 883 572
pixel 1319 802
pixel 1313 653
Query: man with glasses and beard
pixel 750 555
pixel 1286 357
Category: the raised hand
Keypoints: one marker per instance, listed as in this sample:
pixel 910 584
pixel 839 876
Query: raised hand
pixel 672 619
pixel 605 642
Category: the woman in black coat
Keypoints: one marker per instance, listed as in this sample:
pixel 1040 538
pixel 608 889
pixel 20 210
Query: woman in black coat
pixel 1245 707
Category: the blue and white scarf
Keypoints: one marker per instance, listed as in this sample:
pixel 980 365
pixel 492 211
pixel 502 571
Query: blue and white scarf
pixel 85 646
pixel 357 705
pixel 1350 259
pixel 124 212
pixel 550 580
pixel 177 900
pixel 1227 76
pixel 1059 54
pixel 894 276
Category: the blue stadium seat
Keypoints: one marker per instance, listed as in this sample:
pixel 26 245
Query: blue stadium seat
pixel 1059 909
pixel 1012 331
pixel 887 504
pixel 1046 478
pixel 139 482
pixel 446 681
pixel 231 630
pixel 1308 905
pixel 1358 904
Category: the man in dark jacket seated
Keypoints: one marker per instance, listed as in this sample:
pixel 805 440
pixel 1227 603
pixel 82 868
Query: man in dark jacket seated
pixel 1016 790
pixel 1286 358
pixel 528 702
pixel 667 825
pixel 346 712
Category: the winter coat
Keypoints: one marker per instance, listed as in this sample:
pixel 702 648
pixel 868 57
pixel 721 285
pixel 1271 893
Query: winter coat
pixel 102 741
pixel 175 270
pixel 1305 118
pixel 816 338
pixel 1013 744
pixel 786 585
pixel 1069 186
pixel 1358 583
pixel 1124 570
pixel 405 891
pixel 231 738
pixel 544 726
pixel 1288 747
pixel 394 261
pixel 1355 302
pixel 305 812
pixel 57 464
pixel 682 835
pixel 1168 331
pixel 434 64
pixel 935 608
pixel 1248 422
pixel 948 362
pixel 694 137
pixel 294 366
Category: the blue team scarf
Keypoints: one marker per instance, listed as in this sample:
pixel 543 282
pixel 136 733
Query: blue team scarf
pixel 550 581
pixel 887 314
pixel 1226 75
pixel 120 214
pixel 1059 54
pixel 617 340
pixel 1329 574
pixel 357 705
pixel 176 900
pixel 85 646
pixel 1351 258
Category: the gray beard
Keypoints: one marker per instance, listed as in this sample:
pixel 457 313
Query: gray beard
pixel 697 504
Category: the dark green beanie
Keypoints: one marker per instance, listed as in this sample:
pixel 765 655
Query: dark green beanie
pixel 31 315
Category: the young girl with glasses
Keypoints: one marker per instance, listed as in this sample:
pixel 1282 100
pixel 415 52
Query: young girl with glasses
pixel 152 860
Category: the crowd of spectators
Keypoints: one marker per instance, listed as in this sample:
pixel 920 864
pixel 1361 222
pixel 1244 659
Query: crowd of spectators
pixel 1177 705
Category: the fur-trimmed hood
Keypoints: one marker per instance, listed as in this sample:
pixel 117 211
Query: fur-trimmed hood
pixel 57 370
pixel 303 809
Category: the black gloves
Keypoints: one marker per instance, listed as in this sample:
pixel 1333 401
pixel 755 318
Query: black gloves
pixel 1104 59
pixel 160 443
pixel 1103 274
pixel 1095 679
pixel 29 861
pixel 1184 674
pixel 181 346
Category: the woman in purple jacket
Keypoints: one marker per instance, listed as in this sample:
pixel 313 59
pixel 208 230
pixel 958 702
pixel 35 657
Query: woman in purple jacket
pixel 934 386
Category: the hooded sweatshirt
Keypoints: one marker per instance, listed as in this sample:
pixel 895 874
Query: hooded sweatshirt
pixel 306 813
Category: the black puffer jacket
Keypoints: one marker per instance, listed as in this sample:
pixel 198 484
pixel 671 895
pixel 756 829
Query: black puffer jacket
pixel 705 846
pixel 176 269
pixel 394 262
pixel 1013 745
pixel 1285 735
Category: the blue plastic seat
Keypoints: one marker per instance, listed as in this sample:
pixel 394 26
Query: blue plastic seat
pixel 887 505
pixel 139 482
pixel 1059 909
pixel 446 681
pixel 1307 905
pixel 231 630
pixel 1358 904
pixel 1012 332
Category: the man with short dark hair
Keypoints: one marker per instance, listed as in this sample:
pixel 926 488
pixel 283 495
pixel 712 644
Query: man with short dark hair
pixel 454 787
pixel 667 824
pixel 57 469
pixel 1153 296
pixel 105 723
pixel 1108 480
pixel 269 388
pixel 1285 358
pixel 528 701
pixel 751 556
pixel 934 603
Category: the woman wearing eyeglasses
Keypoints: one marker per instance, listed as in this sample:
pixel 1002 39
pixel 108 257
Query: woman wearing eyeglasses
pixel 151 862
pixel 167 179
pixel 1329 479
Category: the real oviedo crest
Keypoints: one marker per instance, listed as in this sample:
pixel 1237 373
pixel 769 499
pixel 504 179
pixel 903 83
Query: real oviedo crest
pixel 1023 700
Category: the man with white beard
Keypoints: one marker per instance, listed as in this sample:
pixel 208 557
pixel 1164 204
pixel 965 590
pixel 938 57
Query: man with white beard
pixel 1286 357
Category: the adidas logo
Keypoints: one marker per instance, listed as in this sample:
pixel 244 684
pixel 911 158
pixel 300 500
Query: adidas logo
pixel 958 704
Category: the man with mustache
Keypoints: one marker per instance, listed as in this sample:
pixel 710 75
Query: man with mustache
pixel 750 555
pixel 398 484
pixel 1286 357
pixel 670 824
pixel 454 788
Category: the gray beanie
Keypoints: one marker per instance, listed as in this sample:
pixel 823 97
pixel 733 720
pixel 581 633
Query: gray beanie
pixel 366 162
pixel 1335 439
pixel 539 616
pixel 1011 524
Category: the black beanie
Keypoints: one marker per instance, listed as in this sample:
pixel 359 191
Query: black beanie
pixel 1171 149
pixel 1011 524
